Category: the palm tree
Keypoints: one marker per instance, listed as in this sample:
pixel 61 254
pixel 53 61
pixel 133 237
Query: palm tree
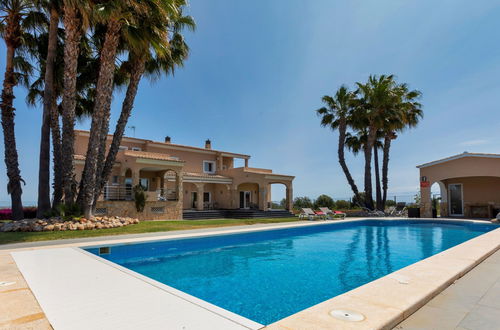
pixel 36 47
pixel 165 56
pixel 336 115
pixel 374 104
pixel 408 112
pixel 48 122
pixel 75 19
pixel 355 143
pixel 11 31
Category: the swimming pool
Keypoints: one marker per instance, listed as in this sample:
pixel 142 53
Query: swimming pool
pixel 268 275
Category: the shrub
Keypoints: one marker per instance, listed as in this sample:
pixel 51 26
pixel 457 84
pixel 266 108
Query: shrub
pixel 69 211
pixel 342 204
pixel 324 201
pixel 139 198
pixel 300 202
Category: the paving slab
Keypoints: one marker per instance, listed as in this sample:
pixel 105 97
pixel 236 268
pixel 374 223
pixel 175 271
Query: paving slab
pixel 472 302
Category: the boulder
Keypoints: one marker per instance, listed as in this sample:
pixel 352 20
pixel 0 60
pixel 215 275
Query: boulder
pixel 48 228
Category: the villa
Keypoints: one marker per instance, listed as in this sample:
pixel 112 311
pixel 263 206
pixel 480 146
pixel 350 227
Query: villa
pixel 469 184
pixel 180 179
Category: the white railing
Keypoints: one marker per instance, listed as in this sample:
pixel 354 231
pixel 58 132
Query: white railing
pixel 117 193
pixel 125 193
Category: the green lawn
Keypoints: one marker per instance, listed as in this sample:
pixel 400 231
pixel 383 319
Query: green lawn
pixel 142 227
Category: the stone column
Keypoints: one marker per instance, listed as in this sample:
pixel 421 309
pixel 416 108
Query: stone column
pixel 425 202
pixel 179 186
pixel 135 177
pixel 263 199
pixel 235 201
pixel 199 201
pixel 246 162
pixel 289 197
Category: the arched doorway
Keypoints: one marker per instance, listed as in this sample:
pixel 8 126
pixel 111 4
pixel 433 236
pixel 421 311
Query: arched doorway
pixel 277 196
pixel 438 199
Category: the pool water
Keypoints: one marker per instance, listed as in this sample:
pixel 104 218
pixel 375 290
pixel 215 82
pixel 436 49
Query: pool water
pixel 268 275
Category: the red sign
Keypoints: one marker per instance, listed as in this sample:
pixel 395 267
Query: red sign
pixel 425 184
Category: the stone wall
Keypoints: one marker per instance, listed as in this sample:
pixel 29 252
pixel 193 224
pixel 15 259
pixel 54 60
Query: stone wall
pixel 159 210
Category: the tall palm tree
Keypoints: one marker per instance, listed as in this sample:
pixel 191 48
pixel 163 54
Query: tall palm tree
pixel 75 20
pixel 48 123
pixel 161 48
pixel 375 102
pixel 117 15
pixel 336 115
pixel 355 143
pixel 407 114
pixel 11 31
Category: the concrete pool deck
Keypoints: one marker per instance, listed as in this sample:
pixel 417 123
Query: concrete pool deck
pixel 406 287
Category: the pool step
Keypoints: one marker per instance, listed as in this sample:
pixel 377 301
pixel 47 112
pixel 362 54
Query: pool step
pixel 235 214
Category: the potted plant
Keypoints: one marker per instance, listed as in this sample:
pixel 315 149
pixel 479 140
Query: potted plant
pixel 414 208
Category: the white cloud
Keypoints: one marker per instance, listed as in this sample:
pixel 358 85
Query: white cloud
pixel 470 143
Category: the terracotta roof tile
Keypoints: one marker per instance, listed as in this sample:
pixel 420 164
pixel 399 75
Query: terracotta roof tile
pixel 205 175
pixel 150 155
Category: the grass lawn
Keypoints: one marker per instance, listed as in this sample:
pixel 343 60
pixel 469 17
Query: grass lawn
pixel 142 227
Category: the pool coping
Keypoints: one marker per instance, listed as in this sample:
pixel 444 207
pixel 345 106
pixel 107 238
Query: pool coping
pixel 379 314
pixel 236 318
pixel 387 301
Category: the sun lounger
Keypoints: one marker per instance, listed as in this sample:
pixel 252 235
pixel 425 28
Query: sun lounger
pixel 308 213
pixel 332 214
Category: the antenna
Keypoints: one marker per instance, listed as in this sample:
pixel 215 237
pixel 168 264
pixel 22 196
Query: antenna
pixel 132 128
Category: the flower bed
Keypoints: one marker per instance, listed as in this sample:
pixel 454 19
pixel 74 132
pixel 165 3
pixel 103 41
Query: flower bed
pixel 59 224
pixel 29 213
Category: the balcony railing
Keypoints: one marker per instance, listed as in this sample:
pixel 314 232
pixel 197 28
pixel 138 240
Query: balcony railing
pixel 125 193
pixel 118 193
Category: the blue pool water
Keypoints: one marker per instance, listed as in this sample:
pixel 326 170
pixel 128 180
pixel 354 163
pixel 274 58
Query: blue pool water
pixel 268 275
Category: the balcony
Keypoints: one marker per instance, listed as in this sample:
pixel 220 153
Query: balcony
pixel 125 193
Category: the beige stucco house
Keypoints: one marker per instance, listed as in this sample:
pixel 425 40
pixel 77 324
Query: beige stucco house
pixel 469 183
pixel 179 177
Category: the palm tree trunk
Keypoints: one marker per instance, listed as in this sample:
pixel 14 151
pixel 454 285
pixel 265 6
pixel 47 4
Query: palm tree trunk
pixel 385 165
pixel 100 116
pixel 48 101
pixel 127 106
pixel 11 36
pixel 378 192
pixel 57 156
pixel 343 164
pixel 372 134
pixel 71 49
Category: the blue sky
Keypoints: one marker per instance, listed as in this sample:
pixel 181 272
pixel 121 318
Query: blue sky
pixel 258 70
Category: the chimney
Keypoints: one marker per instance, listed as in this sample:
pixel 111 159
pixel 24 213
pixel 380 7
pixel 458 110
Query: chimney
pixel 167 139
pixel 208 144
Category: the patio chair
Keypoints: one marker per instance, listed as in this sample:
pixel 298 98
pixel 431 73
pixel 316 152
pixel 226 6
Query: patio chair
pixel 322 215
pixel 308 213
pixel 400 209
pixel 332 214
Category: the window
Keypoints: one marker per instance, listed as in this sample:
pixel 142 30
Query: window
pixel 114 179
pixel 208 166
pixel 206 197
pixel 122 148
pixel 136 149
pixel 144 182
